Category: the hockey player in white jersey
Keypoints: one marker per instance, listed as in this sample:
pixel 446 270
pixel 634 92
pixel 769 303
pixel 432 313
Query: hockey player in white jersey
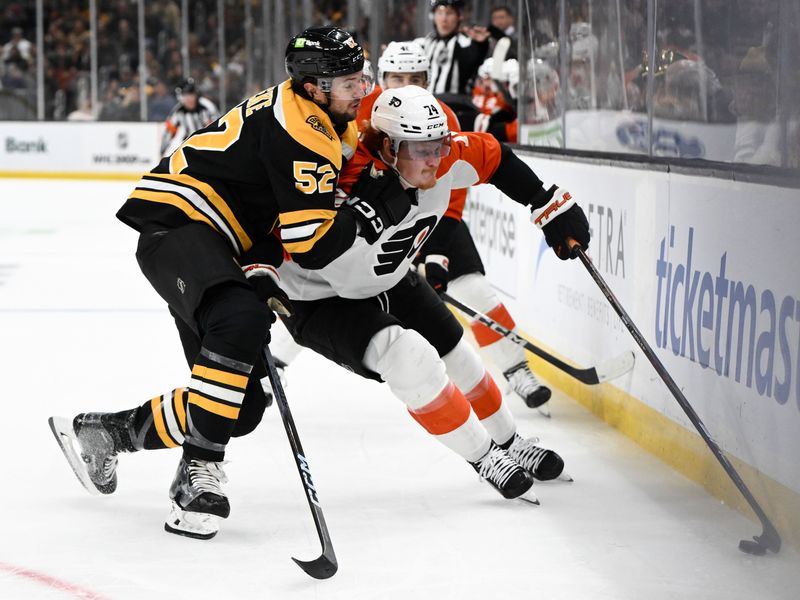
pixel 449 255
pixel 367 311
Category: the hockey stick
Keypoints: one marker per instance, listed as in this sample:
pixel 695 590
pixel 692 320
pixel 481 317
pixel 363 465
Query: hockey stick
pixel 326 565
pixel 769 538
pixel 611 369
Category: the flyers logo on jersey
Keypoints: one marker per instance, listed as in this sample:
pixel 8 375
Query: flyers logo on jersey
pixel 317 125
pixel 403 245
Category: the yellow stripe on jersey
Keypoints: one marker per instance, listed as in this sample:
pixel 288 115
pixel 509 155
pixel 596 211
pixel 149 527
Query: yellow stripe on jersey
pixel 218 408
pixel 306 245
pixel 216 375
pixel 180 408
pixel 176 201
pixel 308 124
pixel 158 421
pixel 215 199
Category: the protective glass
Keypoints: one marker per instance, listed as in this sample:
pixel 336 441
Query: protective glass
pixel 423 150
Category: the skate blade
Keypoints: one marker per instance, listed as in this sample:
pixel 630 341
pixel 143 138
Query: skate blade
pixel 199 526
pixel 565 477
pixel 67 440
pixel 544 410
pixel 529 497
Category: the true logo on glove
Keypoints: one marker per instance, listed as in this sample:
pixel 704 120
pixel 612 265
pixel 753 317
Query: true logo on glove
pixel 554 206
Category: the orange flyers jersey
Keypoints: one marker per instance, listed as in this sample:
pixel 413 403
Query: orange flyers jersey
pixel 458 198
pixel 366 270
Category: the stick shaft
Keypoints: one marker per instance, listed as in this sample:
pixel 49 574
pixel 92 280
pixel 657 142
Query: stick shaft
pixel 588 376
pixel 326 565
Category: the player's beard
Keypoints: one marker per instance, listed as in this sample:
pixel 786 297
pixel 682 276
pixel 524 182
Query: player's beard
pixel 342 118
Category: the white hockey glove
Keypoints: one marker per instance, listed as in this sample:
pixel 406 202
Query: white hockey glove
pixel 561 220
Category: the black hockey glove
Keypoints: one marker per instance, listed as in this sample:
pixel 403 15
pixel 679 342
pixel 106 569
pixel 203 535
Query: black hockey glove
pixel 435 271
pixel 378 200
pixel 561 219
pixel 264 279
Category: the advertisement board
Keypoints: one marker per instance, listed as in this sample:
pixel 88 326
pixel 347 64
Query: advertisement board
pixel 78 148
pixel 705 278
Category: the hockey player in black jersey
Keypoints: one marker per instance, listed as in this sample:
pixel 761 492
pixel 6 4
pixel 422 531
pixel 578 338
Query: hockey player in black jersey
pixel 209 245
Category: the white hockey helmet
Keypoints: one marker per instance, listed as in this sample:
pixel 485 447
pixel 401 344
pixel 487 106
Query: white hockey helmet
pixel 403 57
pixel 412 115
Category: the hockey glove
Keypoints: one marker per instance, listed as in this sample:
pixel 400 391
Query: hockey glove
pixel 379 201
pixel 264 279
pixel 435 271
pixel 561 219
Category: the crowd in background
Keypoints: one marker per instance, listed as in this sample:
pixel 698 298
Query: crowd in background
pixel 67 53
pixel 718 66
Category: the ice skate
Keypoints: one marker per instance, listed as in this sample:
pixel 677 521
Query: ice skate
pixel 542 463
pixel 198 502
pixel 91 442
pixel 523 382
pixel 505 475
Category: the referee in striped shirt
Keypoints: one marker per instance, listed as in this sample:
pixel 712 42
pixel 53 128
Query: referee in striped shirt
pixel 455 53
pixel 190 114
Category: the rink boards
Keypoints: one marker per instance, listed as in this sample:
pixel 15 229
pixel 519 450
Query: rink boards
pixel 706 269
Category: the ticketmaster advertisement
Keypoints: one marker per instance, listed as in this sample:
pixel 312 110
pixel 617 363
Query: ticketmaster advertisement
pixel 706 269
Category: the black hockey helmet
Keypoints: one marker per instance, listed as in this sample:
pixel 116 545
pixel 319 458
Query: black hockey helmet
pixel 456 4
pixel 323 52
pixel 187 86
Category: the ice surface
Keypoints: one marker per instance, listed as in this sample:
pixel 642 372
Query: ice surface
pixel 82 330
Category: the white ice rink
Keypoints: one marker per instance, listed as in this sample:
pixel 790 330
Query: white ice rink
pixel 82 330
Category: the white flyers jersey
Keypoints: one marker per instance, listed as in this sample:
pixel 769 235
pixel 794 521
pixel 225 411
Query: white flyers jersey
pixel 366 270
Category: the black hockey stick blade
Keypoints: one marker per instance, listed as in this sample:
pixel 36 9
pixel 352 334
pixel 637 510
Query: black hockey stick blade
pixel 610 369
pixel 323 567
pixel 769 538
pixel 326 565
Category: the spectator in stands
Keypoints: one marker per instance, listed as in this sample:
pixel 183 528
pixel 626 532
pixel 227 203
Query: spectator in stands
pixel 502 26
pixel 502 19
pixel 755 105
pixel 83 112
pixel 160 103
pixel 18 50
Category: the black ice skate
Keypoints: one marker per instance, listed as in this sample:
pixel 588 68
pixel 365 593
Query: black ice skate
pixel 542 463
pixel 522 381
pixel 505 475
pixel 91 442
pixel 198 502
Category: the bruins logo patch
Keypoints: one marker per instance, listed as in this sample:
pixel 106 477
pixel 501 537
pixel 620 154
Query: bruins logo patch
pixel 316 124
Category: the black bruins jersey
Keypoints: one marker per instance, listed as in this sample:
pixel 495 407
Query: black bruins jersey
pixel 273 159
